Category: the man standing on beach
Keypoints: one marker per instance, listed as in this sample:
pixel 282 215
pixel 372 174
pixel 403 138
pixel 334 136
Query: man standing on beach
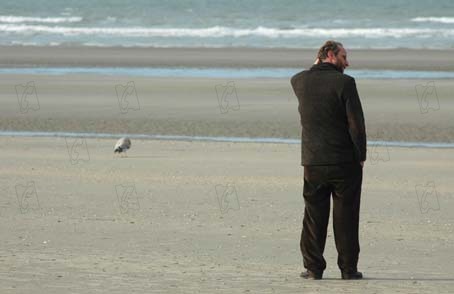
pixel 333 152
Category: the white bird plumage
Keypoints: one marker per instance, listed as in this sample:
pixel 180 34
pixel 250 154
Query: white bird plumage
pixel 122 145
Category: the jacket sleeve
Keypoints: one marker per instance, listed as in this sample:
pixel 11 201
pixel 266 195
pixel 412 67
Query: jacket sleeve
pixel 355 118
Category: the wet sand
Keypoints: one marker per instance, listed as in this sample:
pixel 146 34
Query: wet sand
pixel 394 109
pixel 397 59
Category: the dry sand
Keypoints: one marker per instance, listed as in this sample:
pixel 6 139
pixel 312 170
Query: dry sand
pixel 65 229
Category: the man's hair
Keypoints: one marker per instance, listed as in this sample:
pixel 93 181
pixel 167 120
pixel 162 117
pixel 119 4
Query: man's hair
pixel 328 46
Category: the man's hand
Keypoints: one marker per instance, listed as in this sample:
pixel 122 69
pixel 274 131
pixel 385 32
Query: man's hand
pixel 317 61
pixel 362 163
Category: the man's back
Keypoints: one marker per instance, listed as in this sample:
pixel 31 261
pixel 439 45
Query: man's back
pixel 333 155
pixel 332 119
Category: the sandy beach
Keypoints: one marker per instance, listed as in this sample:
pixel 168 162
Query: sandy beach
pixel 206 217
pixel 182 217
pixel 209 197
pixel 190 106
pixel 400 59
pixel 395 109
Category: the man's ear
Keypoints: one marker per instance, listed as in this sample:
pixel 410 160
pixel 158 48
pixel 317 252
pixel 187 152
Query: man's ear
pixel 331 54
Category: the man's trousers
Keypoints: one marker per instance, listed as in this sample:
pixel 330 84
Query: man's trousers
pixel 343 182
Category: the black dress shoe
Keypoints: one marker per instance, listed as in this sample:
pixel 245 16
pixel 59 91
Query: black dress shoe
pixel 311 275
pixel 352 276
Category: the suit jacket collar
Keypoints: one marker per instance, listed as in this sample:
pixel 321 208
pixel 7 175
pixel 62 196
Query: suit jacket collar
pixel 325 66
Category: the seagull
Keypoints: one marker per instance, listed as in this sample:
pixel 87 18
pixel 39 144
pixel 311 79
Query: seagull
pixel 122 145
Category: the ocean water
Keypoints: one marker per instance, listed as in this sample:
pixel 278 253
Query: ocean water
pixel 260 23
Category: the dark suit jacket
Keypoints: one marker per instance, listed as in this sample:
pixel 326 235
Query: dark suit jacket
pixel 332 120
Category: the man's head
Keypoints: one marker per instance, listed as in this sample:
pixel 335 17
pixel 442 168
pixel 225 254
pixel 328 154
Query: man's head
pixel 333 52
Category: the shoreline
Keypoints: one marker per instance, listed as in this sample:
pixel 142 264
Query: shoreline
pixel 86 56
pixel 188 138
pixel 218 72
